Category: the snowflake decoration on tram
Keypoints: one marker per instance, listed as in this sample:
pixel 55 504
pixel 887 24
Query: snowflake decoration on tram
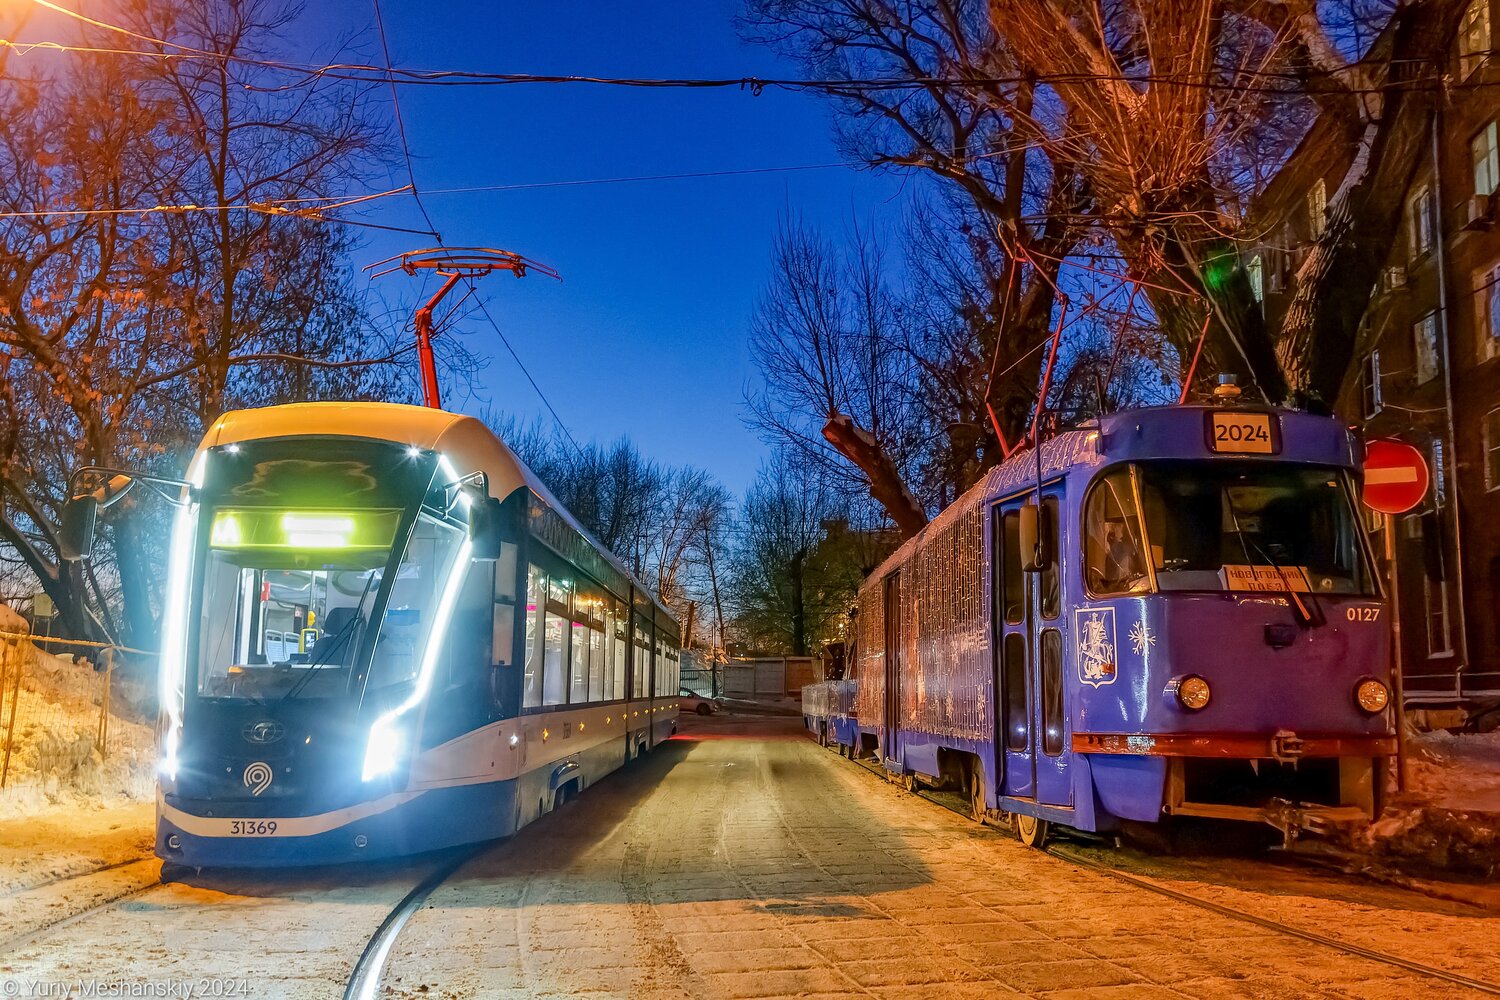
pixel 1141 637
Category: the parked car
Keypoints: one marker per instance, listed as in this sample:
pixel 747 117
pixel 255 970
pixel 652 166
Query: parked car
pixel 689 701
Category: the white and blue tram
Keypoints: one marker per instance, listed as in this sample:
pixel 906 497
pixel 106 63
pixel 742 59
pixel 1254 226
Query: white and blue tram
pixel 384 636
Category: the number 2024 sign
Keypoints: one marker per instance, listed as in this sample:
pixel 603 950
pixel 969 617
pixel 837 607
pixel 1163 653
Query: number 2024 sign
pixel 1241 433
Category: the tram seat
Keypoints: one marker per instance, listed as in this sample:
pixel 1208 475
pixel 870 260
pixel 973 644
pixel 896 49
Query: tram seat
pixel 339 638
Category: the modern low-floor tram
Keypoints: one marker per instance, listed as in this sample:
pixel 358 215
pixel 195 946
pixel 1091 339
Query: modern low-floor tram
pixel 1169 614
pixel 384 636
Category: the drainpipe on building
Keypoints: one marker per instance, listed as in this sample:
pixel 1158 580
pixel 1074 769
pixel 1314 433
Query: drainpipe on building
pixel 1450 448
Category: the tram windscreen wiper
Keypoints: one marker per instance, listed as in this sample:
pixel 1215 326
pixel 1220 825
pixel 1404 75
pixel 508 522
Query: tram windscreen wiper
pixel 330 643
pixel 1309 612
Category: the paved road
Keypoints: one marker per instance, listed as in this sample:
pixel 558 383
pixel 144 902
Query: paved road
pixel 741 860
pixel 745 861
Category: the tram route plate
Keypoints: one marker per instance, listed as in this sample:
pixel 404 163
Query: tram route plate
pixel 1242 433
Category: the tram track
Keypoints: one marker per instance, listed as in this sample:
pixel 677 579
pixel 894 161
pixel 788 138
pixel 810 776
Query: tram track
pixel 369 969
pixel 1312 937
pixel 21 890
pixel 13 942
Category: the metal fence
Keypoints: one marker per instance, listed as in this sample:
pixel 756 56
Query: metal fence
pixel 59 718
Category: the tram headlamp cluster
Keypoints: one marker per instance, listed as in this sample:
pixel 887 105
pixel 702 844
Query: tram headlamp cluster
pixel 383 751
pixel 1193 692
pixel 1371 695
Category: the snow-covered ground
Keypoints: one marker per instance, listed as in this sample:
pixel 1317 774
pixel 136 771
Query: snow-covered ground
pixel 1449 816
pixel 54 763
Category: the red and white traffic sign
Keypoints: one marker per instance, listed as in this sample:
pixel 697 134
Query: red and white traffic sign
pixel 1396 477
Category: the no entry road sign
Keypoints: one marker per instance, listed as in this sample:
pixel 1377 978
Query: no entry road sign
pixel 1396 477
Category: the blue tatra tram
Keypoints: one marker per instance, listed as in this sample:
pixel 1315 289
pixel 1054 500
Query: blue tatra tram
pixel 1171 613
pixel 382 636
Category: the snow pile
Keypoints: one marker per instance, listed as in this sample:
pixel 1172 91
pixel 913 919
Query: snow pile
pixel 1448 819
pixel 53 759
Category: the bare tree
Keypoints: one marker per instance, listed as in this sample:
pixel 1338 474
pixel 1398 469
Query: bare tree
pixel 795 567
pixel 1013 208
pixel 1167 100
pixel 124 333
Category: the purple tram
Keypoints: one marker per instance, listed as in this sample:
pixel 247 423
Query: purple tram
pixel 1170 613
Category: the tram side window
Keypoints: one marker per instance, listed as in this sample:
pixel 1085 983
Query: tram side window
pixel 1114 548
pixel 619 647
pixel 1051 575
pixel 640 670
pixel 1017 725
pixel 1012 589
pixel 503 626
pixel 536 600
pixel 1052 692
pixel 555 644
pixel 661 667
pixel 588 625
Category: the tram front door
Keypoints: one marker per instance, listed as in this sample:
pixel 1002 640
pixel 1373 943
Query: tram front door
pixel 1030 715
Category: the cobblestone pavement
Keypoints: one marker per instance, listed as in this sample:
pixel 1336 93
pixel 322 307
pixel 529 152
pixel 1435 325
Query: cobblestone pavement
pixel 745 861
pixel 741 860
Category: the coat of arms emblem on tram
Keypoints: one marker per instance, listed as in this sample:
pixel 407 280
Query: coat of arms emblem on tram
pixel 1095 628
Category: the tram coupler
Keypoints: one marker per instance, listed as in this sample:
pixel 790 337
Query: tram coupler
pixel 1292 819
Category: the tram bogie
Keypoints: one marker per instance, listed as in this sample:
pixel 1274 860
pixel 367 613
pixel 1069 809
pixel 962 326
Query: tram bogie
pixel 1153 618
pixel 384 636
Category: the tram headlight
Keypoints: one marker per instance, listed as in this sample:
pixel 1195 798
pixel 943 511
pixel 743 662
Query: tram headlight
pixel 1193 692
pixel 1371 695
pixel 383 751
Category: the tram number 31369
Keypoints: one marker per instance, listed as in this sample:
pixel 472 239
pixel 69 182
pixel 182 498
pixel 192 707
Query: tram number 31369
pixel 1362 614
pixel 251 827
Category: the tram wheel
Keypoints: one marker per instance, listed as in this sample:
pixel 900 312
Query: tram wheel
pixel 977 808
pixel 1029 830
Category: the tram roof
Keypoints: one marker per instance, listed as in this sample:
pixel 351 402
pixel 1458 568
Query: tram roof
pixel 467 442
pixel 1155 432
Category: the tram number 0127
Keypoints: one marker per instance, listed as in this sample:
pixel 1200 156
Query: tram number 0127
pixel 1362 614
pixel 252 827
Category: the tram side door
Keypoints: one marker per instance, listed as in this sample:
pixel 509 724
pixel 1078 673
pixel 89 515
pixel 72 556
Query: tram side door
pixel 1029 708
pixel 891 729
pixel 1011 649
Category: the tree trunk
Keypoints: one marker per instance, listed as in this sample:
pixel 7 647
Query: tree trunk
pixel 799 603
pixel 886 484
pixel 135 584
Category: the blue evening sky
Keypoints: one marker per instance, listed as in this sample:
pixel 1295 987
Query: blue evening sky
pixel 646 336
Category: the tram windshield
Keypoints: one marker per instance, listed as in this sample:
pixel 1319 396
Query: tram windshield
pixel 1223 526
pixel 289 599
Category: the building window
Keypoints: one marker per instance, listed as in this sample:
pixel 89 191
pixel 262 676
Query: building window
pixel 1474 36
pixel 1370 385
pixel 1492 450
pixel 1424 333
pixel 1439 632
pixel 1419 216
pixel 1485 156
pixel 1317 208
pixel 1256 272
pixel 1487 310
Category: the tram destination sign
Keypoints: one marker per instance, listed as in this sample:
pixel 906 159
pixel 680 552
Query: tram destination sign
pixel 1396 476
pixel 1239 433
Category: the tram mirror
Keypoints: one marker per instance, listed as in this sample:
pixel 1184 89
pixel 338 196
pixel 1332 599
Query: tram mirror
pixel 75 538
pixel 1031 557
pixel 485 529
